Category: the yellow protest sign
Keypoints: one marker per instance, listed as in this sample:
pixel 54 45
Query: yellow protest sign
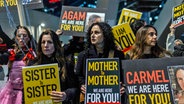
pixel 178 15
pixel 8 3
pixel 124 37
pixel 129 16
pixel 39 81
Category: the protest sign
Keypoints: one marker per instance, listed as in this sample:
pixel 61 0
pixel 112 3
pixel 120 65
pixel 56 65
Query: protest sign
pixel 178 15
pixel 128 15
pixel 103 81
pixel 12 4
pixel 39 81
pixel 176 74
pixel 75 21
pixel 147 80
pixel 124 36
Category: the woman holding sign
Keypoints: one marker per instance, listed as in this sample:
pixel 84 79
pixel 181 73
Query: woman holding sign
pixel 18 58
pixel 146 45
pixel 100 44
pixel 50 51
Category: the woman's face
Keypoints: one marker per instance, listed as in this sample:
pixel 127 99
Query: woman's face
pixel 47 45
pixel 97 36
pixel 22 37
pixel 180 78
pixel 151 37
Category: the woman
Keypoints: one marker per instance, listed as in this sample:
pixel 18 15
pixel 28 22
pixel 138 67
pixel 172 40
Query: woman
pixel 179 74
pixel 18 58
pixel 50 51
pixel 100 44
pixel 146 45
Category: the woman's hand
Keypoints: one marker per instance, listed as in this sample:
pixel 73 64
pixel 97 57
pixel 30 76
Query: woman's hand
pixel 83 89
pixel 58 96
pixel 122 88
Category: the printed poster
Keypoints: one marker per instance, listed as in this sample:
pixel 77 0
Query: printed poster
pixel 124 36
pixel 76 20
pixel 128 15
pixel 103 81
pixel 176 74
pixel 147 80
pixel 178 15
pixel 39 81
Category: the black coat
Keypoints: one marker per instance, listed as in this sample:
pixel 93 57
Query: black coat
pixel 178 50
pixel 91 53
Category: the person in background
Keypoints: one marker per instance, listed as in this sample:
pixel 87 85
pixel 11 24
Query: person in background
pixel 100 44
pixel 92 19
pixel 146 45
pixel 180 83
pixel 18 58
pixel 137 24
pixel 51 51
pixel 5 44
pixel 178 48
pixel 175 46
pixel 73 48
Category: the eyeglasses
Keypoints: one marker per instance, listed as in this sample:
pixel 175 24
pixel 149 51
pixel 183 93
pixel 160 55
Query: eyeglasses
pixel 152 34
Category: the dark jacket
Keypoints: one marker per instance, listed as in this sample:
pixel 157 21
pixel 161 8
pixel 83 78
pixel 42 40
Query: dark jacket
pixel 91 53
pixel 178 50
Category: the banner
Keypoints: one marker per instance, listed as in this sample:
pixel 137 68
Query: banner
pixel 128 15
pixel 103 81
pixel 124 36
pixel 178 15
pixel 39 81
pixel 75 21
pixel 147 80
pixel 12 4
pixel 176 74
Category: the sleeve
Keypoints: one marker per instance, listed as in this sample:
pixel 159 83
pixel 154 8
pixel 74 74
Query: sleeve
pixel 170 42
pixel 80 68
pixel 72 84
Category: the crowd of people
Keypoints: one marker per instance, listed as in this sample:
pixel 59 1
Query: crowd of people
pixel 24 51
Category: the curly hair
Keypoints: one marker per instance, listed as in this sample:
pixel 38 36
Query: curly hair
pixel 107 33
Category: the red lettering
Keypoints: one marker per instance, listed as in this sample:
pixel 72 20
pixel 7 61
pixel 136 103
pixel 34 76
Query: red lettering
pixel 128 74
pixel 71 15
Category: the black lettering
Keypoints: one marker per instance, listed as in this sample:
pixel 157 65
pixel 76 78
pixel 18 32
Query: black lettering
pixel 42 74
pixel 43 86
pixel 52 72
pixel 29 94
pixel 130 39
pixel 37 89
pixel 47 73
pixel 36 75
pixel 28 77
pixel 132 20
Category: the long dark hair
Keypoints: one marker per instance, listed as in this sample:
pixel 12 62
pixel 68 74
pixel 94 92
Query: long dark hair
pixel 58 53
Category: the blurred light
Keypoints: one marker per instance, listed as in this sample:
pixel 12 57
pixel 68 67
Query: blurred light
pixel 150 19
pixel 91 6
pixel 42 24
pixel 160 6
pixel 54 1
pixel 45 10
pixel 156 17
